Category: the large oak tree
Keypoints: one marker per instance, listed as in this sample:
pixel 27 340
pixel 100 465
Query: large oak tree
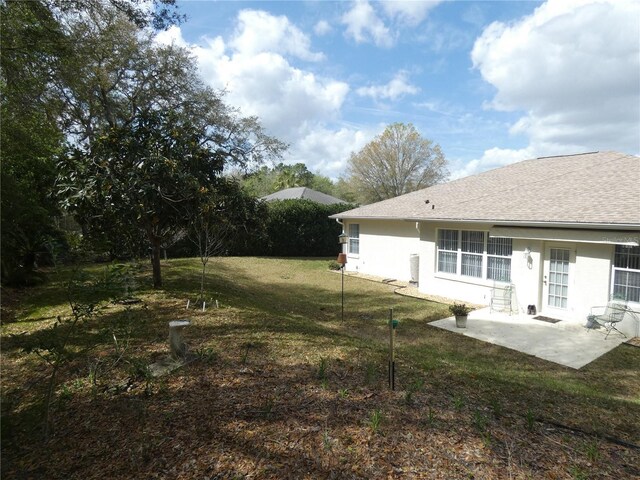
pixel 39 54
pixel 148 135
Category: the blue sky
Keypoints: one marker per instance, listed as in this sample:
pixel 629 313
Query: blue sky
pixel 491 82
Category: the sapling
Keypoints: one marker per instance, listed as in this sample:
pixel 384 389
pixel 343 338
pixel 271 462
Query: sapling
pixel 53 347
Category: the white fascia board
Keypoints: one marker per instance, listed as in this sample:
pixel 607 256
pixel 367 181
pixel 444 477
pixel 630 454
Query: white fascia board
pixel 602 236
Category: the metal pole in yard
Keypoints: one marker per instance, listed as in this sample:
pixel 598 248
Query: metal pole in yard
pixel 342 314
pixel 392 360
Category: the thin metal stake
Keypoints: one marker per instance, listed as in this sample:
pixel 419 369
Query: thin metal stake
pixel 392 359
pixel 188 304
pixel 342 315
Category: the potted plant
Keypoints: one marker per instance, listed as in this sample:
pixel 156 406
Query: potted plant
pixel 460 311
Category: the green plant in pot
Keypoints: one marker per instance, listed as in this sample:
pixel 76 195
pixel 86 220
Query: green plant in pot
pixel 460 311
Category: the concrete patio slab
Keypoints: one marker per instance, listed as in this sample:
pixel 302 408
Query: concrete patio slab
pixel 566 343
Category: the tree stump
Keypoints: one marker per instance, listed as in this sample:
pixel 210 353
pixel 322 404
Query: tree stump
pixel 176 342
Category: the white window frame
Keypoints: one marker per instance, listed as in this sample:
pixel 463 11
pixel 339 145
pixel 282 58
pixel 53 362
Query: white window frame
pixel 354 238
pixel 459 254
pixel 496 255
pixel 469 253
pixel 448 251
pixel 615 269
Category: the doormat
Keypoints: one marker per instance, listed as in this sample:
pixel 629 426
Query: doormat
pixel 546 319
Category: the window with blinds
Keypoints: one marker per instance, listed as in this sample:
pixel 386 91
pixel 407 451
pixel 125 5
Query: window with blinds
pixel 448 251
pixel 474 254
pixel 499 251
pixel 626 273
pixel 354 238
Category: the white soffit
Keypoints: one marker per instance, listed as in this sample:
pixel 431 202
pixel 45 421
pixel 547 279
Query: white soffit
pixel 568 235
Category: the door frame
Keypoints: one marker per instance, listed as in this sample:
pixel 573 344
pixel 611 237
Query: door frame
pixel 544 281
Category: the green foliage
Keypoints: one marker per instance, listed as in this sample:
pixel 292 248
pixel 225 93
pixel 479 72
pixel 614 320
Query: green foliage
pixel 530 419
pixel 413 388
pixel 496 407
pixel 334 265
pixel 301 228
pixel 43 61
pixel 147 136
pixel 592 451
pixel 30 139
pixel 321 373
pixel 431 418
pixel 267 180
pixel 375 419
pixel 577 473
pixel 459 309
pixel 55 346
pixel 480 421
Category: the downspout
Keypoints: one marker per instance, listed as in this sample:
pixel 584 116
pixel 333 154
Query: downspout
pixel 342 248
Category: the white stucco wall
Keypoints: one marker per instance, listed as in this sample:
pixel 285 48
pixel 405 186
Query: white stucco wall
pixel 385 247
pixel 593 277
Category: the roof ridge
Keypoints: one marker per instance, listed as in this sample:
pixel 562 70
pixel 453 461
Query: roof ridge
pixel 569 155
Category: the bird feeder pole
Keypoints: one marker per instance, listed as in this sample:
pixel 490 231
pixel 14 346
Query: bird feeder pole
pixel 342 260
pixel 343 238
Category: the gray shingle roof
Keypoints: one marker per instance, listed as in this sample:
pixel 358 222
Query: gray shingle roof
pixel 305 193
pixel 590 188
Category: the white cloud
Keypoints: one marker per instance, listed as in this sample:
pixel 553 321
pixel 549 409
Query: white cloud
pixel 172 35
pixel 258 32
pixel 327 150
pixel 393 90
pixel 322 28
pixel 363 25
pixel 492 158
pixel 409 12
pixel 294 105
pixel 574 68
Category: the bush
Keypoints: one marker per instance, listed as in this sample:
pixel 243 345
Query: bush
pixel 333 265
pixel 302 228
pixel 459 309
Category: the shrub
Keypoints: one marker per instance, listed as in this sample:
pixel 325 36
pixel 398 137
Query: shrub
pixel 302 228
pixel 459 309
pixel 333 265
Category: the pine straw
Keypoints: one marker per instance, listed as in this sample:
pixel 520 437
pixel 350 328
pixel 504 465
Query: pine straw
pixel 261 419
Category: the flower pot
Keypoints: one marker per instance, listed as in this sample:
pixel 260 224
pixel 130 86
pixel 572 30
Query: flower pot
pixel 461 321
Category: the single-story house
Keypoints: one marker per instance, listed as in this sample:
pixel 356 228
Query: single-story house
pixel 302 193
pixel 560 234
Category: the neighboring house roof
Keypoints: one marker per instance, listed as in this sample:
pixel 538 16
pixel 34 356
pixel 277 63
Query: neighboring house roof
pixel 304 193
pixel 597 188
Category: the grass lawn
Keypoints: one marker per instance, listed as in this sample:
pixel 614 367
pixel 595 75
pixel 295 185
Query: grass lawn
pixel 281 388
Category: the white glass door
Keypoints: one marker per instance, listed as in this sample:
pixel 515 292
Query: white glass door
pixel 556 279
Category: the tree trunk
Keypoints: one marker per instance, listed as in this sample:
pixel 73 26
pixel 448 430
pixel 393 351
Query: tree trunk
pixel 156 251
pixel 204 270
